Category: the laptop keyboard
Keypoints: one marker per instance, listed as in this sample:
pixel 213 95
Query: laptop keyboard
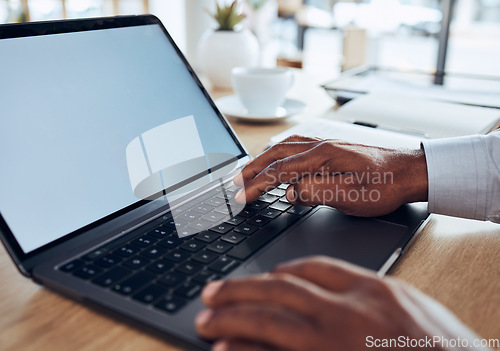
pixel 161 269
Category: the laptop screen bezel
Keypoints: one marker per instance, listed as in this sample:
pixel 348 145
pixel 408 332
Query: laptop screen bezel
pixel 26 261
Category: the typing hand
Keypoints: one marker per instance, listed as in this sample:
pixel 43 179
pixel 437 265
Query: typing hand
pixel 356 179
pixel 321 304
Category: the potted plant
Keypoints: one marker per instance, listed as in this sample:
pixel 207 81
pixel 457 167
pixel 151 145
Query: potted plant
pixel 227 46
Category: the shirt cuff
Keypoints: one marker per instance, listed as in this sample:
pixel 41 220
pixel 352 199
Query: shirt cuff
pixel 458 171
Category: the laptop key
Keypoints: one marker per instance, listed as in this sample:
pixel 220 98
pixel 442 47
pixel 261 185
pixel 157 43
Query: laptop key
pixel 95 254
pixel 222 209
pixel 160 233
pixel 205 277
pixel 270 213
pixel 268 198
pixel 236 220
pixel 229 195
pixel 233 237
pixel 258 221
pixel 207 237
pixel 224 265
pixel 133 283
pixel 246 229
pixel 190 215
pixel 280 206
pixel 170 304
pixel 215 202
pixel 202 208
pixel 299 210
pixel 127 251
pixel 136 262
pixel 71 266
pixel 160 266
pixel 247 213
pixel 201 224
pixel 284 199
pixel 87 272
pixel 192 245
pixel 150 294
pixel 257 205
pixel 112 276
pixel 144 241
pixel 174 223
pixel 185 233
pixel 277 192
pixel 219 246
pixel 171 279
pixel 215 217
pixel 177 256
pixel 205 256
pixel 263 236
pixel 222 228
pixel 154 252
pixel 188 290
pixel 108 261
pixel 170 242
pixel 188 267
pixel 166 217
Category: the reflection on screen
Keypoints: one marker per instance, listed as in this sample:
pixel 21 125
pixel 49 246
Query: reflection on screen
pixel 98 121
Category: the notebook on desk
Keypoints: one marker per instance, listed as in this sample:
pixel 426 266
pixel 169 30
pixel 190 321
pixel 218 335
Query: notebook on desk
pixel 393 121
pixel 116 185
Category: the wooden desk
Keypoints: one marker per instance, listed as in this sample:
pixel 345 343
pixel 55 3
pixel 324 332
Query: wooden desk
pixel 455 261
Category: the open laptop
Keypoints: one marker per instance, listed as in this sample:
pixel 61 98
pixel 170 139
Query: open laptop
pixel 116 189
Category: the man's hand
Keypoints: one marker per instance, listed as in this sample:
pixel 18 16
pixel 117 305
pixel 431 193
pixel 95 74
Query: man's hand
pixel 321 304
pixel 356 179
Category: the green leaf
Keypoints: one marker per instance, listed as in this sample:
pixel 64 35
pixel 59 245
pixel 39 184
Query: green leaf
pixel 227 16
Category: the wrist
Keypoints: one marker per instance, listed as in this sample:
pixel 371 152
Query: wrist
pixel 413 176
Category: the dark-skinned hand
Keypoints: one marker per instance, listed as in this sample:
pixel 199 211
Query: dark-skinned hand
pixel 321 304
pixel 356 179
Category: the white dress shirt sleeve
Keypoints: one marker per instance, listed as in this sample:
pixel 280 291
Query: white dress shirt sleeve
pixel 464 176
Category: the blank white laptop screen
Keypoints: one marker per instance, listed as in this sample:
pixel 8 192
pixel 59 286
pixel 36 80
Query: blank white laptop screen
pixel 87 119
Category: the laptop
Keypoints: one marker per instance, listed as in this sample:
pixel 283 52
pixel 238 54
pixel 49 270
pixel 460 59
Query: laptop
pixel 116 184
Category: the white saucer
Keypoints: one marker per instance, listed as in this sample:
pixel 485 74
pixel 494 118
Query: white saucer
pixel 232 107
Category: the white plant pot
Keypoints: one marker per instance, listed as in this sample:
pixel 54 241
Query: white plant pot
pixel 220 51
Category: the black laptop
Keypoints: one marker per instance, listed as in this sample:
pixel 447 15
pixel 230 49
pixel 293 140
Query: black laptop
pixel 116 178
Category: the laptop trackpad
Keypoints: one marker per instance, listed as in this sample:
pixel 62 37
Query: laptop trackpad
pixel 364 241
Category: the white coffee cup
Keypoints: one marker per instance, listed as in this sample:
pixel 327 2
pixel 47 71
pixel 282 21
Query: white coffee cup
pixel 261 90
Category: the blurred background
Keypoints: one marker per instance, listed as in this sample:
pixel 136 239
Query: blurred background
pixel 321 36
